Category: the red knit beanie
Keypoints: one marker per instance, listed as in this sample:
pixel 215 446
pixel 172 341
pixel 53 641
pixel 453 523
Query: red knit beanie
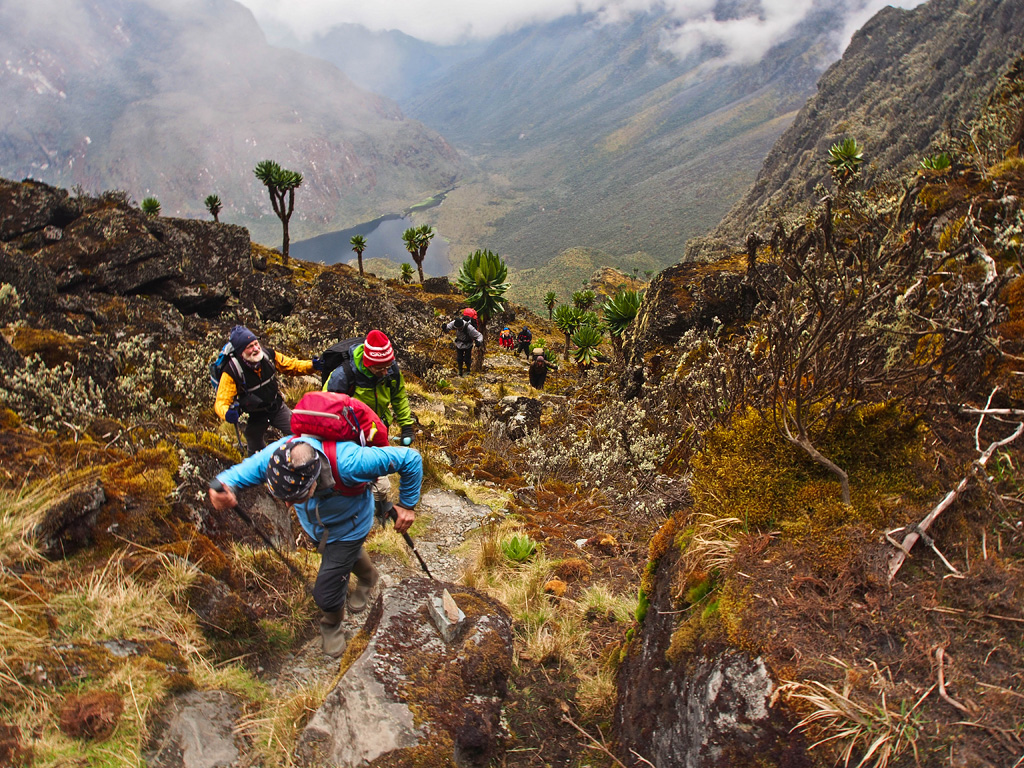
pixel 377 349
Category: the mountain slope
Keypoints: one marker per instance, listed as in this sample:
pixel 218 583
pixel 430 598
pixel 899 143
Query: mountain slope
pixel 182 100
pixel 608 141
pixel 907 77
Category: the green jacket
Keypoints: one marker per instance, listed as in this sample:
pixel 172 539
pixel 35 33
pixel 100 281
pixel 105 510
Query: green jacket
pixel 385 395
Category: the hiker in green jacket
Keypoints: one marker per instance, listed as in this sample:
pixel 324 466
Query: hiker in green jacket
pixel 372 376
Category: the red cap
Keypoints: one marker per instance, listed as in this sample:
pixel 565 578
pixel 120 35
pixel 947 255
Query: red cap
pixel 377 349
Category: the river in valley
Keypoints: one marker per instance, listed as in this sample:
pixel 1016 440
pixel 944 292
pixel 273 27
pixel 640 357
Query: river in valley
pixel 383 241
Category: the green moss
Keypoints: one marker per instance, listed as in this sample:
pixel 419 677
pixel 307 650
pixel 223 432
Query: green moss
pixel 750 472
pixel 642 606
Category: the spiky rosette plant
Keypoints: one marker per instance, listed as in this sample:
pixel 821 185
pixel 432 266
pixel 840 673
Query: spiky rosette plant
pixel 587 340
pixel 845 159
pixel 482 277
pixel 619 312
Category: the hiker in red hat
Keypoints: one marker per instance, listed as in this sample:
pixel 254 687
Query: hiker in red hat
pixel 373 377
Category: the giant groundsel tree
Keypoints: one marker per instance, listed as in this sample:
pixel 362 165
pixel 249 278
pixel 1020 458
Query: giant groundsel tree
pixel 281 185
pixel 482 277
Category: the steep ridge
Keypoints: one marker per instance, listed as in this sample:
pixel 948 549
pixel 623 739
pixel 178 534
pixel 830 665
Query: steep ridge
pixel 908 83
pixel 180 101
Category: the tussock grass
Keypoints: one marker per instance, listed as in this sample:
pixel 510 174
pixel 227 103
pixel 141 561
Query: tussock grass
pixel 713 544
pixel 876 733
pixel 23 509
pixel 595 695
pixel 275 727
pixel 389 543
pixel 598 600
pixel 134 596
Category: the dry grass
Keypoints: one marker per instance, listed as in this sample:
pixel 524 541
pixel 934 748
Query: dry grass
pixel 274 728
pixel 22 510
pixel 598 600
pixel 874 734
pixel 714 543
pixel 64 606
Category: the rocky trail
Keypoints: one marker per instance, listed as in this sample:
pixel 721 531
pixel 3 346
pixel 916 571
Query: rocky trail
pixel 200 729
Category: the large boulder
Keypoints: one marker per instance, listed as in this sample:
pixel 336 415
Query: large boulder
pixel 29 207
pixel 412 696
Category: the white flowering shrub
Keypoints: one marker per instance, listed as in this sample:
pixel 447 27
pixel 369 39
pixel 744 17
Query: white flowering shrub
pixel 617 449
pixel 52 398
pixel 10 303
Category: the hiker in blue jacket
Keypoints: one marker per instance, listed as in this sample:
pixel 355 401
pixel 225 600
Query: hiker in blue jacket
pixel 296 471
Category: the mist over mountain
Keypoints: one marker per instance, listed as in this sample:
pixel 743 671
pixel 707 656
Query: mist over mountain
pixel 387 62
pixel 182 99
pixel 604 138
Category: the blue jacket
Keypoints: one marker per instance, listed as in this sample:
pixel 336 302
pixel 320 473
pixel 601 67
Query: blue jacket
pixel 348 518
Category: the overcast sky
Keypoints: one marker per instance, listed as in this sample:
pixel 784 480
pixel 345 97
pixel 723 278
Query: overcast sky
pixel 452 21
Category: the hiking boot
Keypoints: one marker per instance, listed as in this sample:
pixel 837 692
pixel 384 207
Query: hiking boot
pixel 366 579
pixel 332 634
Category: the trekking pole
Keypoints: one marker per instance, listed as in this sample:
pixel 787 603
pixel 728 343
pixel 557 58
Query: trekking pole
pixel 238 436
pixel 388 513
pixel 217 485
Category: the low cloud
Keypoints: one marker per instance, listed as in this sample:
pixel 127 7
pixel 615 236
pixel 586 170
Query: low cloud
pixel 741 39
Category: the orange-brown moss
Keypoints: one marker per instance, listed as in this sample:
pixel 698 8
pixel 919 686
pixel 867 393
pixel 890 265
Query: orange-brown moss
pixel 353 650
pixel 198 549
pixel 573 569
pixel 53 348
pixel 555 587
pixel 93 715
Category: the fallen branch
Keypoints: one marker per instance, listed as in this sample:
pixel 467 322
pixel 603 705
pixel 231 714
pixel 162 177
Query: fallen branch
pixel 978 465
pixel 960 612
pixel 940 654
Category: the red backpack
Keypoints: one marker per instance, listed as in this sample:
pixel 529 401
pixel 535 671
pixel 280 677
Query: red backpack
pixel 334 417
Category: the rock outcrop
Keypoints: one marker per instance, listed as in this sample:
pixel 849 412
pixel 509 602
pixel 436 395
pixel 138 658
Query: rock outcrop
pixel 410 695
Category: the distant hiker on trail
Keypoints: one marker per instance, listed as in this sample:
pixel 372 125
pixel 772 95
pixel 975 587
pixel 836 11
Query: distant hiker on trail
pixel 297 471
pixel 523 340
pixel 466 336
pixel 371 375
pixel 505 338
pixel 539 369
pixel 248 384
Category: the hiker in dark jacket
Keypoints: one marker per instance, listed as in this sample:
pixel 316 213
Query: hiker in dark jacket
pixel 523 339
pixel 466 336
pixel 249 385
pixel 297 471
pixel 539 369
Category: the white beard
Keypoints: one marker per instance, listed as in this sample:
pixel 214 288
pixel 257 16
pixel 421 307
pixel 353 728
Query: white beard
pixel 254 358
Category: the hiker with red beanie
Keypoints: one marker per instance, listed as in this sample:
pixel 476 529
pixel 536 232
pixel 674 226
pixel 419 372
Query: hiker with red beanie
pixel 249 385
pixel 372 376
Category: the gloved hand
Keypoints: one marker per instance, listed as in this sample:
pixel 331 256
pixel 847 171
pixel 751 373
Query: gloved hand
pixel 231 417
pixel 407 434
pixel 318 364
pixel 479 343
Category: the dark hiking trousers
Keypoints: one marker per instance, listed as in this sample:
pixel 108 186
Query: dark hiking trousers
pixel 331 587
pixel 256 427
pixel 463 357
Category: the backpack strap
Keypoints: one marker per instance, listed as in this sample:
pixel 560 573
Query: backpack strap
pixel 331 449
